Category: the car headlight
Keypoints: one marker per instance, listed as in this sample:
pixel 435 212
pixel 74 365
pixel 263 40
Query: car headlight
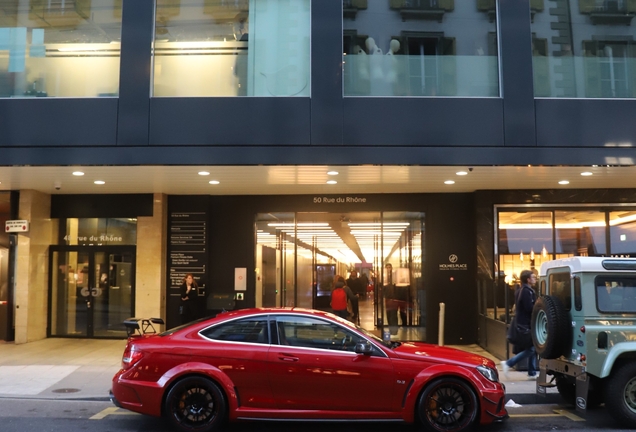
pixel 490 374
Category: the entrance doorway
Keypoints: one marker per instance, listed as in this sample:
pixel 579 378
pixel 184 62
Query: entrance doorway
pixel 380 254
pixel 91 290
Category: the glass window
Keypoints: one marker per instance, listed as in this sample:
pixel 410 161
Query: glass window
pixel 309 332
pixel 584 49
pixel 232 48
pixel 580 233
pixel 59 48
pixel 100 231
pixel 252 330
pixel 560 288
pixel 420 48
pixel 623 232
pixel 616 294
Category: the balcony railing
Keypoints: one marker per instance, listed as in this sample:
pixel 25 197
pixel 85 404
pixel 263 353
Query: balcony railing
pixel 610 12
pixel 423 9
pixel 350 8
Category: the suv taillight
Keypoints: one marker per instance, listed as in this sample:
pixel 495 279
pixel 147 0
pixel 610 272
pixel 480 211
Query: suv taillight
pixel 131 356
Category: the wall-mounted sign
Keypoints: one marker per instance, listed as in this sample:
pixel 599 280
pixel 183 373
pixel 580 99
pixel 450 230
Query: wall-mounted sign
pixel 240 279
pixel 339 200
pixel 16 226
pixel 453 264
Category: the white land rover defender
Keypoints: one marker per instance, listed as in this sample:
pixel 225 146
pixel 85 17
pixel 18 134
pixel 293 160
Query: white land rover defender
pixel 584 329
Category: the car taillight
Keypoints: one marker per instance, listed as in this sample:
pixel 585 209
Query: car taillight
pixel 131 356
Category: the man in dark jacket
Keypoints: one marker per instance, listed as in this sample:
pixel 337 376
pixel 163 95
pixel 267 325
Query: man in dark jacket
pixel 359 290
pixel 524 302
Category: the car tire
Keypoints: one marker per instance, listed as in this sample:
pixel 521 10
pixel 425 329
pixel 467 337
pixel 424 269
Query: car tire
pixel 447 404
pixel 550 327
pixel 620 395
pixel 195 404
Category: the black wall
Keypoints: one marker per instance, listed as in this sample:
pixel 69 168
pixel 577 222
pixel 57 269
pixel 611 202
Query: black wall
pixel 448 230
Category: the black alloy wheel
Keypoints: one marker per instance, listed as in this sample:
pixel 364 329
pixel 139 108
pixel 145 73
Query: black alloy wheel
pixel 448 405
pixel 195 404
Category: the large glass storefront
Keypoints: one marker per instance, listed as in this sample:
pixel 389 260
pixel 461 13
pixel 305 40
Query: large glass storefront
pixel 300 255
pixel 92 278
pixel 527 237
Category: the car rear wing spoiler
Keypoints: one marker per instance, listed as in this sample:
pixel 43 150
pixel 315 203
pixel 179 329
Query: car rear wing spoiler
pixel 142 326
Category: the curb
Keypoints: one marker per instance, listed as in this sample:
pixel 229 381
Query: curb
pixel 534 399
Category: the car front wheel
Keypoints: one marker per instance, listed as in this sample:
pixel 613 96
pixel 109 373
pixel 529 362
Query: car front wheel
pixel 195 404
pixel 447 404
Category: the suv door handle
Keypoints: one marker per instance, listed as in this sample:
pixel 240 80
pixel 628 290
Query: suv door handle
pixel 288 358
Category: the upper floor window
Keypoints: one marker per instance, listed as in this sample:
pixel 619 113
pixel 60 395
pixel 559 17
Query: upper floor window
pixel 59 48
pixel 232 48
pixel 585 49
pixel 420 48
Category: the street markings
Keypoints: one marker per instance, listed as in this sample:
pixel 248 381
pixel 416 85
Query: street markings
pixel 111 411
pixel 557 413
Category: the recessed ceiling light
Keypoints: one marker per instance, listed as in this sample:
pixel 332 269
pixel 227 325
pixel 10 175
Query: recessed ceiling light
pixel 332 173
pixel 78 173
pixel 99 182
pixel 332 182
pixel 586 173
pixel 461 173
pixel 214 182
pixel 449 182
pixel 564 182
pixel 204 173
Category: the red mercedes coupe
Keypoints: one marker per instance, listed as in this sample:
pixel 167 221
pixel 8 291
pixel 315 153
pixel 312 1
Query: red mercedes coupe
pixel 301 364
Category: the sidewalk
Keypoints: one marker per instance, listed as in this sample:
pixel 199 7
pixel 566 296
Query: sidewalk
pixel 82 369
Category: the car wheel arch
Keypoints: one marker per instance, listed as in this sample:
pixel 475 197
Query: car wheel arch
pixel 424 378
pixel 202 370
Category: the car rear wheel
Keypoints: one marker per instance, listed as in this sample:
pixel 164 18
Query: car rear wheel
pixel 195 404
pixel 447 404
pixel 550 327
pixel 620 395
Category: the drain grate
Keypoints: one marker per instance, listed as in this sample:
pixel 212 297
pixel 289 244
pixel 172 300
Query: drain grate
pixel 66 390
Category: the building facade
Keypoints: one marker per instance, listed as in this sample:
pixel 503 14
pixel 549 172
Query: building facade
pixel 395 95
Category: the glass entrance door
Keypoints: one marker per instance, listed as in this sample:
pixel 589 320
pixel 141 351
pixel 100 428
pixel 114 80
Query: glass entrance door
pixel 91 290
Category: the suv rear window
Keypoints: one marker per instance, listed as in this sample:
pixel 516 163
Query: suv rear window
pixel 616 294
pixel 560 287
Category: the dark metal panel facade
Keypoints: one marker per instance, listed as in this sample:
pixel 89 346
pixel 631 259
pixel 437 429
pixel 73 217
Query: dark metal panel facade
pixel 232 121
pixel 135 77
pixel 56 122
pixel 423 122
pixel 586 123
pixel 326 72
pixel 515 42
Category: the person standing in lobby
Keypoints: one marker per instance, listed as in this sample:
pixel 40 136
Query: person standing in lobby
pixel 524 302
pixel 189 298
pixel 359 290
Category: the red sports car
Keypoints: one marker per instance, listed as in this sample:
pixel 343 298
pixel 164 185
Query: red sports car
pixel 305 365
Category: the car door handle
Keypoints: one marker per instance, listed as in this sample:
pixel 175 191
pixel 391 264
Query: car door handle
pixel 287 358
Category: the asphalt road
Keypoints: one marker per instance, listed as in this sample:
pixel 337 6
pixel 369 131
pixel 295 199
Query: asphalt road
pixel 27 415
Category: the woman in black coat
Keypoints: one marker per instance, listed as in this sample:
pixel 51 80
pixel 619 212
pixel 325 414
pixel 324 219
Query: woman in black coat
pixel 189 298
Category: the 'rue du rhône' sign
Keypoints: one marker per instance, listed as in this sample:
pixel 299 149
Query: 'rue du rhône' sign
pixel 339 200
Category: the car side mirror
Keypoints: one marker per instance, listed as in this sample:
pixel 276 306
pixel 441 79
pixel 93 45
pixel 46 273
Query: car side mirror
pixel 363 348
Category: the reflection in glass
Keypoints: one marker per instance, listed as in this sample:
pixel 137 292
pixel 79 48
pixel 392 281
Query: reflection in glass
pixel 585 49
pixel 100 231
pixel 580 233
pixel 59 48
pixel 623 232
pixel 232 48
pixel 419 48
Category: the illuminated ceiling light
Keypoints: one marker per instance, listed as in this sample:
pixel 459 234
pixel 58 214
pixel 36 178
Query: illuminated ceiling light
pixel 521 256
pixel 332 173
pixel 78 173
pixel 214 182
pixel 532 254
pixel 586 173
pixel 332 182
pixel 99 182
pixel 564 182
pixel 544 252
pixel 461 173
pixel 203 173
pixel 449 182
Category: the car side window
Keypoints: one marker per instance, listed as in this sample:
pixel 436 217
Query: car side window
pixel 252 330
pixel 560 288
pixel 308 332
pixel 616 294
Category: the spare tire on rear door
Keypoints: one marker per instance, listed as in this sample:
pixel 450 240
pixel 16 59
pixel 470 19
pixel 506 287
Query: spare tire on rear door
pixel 550 327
